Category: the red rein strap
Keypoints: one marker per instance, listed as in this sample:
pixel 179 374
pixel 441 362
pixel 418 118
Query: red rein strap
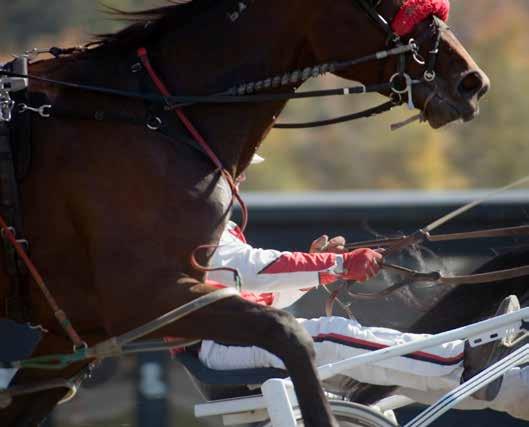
pixel 59 314
pixel 413 12
pixel 144 58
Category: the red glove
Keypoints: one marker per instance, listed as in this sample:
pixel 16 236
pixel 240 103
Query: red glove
pixel 359 265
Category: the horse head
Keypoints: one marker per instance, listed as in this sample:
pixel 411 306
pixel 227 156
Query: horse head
pixel 449 83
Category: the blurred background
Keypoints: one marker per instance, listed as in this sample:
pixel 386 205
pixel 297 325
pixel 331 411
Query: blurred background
pixel 364 161
pixel 490 151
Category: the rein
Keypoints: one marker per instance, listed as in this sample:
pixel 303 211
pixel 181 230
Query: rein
pixel 396 245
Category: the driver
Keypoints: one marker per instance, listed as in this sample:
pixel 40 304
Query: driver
pixel 278 279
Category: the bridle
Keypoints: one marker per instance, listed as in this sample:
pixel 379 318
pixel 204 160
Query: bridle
pixel 399 86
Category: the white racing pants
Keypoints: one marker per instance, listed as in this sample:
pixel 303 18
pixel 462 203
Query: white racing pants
pixel 337 338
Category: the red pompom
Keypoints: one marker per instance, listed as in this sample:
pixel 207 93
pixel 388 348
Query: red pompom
pixel 413 12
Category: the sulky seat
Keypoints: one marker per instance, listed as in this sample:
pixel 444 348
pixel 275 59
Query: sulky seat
pixel 216 385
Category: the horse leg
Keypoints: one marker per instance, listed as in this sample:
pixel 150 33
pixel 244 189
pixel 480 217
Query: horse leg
pixel 234 321
pixel 31 409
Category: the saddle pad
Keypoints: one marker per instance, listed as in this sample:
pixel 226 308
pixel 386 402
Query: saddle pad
pixel 17 341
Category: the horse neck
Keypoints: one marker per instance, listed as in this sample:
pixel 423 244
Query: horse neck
pixel 267 39
pixel 241 44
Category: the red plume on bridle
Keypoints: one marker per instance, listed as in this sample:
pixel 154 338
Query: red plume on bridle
pixel 413 12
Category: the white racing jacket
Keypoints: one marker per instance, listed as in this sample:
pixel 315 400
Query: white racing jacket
pixel 275 278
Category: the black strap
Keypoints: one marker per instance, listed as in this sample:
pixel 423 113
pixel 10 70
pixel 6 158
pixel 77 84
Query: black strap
pixel 222 98
pixel 167 127
pixel 382 108
pixel 113 116
pixel 377 18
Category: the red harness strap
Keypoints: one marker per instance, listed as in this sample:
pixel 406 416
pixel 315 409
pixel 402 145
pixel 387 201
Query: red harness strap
pixel 60 315
pixel 142 54
pixel 144 58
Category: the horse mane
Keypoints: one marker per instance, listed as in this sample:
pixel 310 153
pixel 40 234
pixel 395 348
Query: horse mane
pixel 148 25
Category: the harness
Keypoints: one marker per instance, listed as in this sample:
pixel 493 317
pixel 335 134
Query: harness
pixel 17 105
pixel 399 86
pixel 396 245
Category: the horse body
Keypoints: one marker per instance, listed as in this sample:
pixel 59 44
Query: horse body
pixel 113 212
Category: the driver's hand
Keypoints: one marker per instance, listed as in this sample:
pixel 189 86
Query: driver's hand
pixel 361 264
pixel 323 244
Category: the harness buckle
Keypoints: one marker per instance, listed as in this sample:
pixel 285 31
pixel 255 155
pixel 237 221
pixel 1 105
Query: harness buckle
pixel 414 48
pixel 408 87
pixel 42 111
pixel 429 76
pixel 154 123
pixel 6 105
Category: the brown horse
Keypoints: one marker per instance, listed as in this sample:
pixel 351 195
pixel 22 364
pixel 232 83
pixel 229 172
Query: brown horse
pixel 113 210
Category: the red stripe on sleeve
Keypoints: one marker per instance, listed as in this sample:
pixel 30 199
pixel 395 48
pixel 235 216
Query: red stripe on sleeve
pixel 300 262
pixel 237 232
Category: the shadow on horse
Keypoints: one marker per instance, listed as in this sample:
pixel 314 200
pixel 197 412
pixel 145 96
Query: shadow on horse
pixel 113 209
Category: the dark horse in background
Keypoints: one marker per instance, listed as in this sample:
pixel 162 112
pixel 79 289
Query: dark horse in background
pixel 113 211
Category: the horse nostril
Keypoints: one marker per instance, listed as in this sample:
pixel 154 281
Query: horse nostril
pixel 472 84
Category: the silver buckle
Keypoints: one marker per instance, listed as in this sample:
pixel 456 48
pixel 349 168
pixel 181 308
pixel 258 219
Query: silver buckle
pixel 407 89
pixel 429 76
pixel 154 123
pixel 42 111
pixel 6 106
